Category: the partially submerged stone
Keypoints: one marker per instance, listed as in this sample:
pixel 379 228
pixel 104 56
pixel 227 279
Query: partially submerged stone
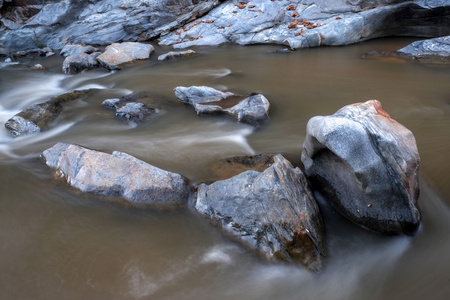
pixel 39 117
pixel 79 62
pixel 253 110
pixel 131 109
pixel 367 166
pixel 272 212
pixel 117 54
pixel 176 54
pixel 117 174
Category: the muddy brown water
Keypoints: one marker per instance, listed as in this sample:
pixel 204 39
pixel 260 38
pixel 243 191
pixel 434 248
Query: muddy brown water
pixel 58 243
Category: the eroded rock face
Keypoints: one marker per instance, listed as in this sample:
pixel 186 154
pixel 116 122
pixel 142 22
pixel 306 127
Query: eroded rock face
pixel 253 110
pixel 117 174
pixel 56 23
pixel 301 24
pixel 366 165
pixel 272 212
pixel 39 117
pixel 120 53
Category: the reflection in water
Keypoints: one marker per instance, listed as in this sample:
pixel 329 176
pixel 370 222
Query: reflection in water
pixel 58 243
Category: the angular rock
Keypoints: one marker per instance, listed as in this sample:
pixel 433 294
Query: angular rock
pixel 80 62
pixel 130 109
pixel 272 212
pixel 75 49
pixel 118 174
pixel 120 53
pixel 432 51
pixel 39 117
pixel 176 54
pixel 253 110
pixel 367 166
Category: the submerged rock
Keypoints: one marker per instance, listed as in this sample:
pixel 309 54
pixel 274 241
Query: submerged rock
pixel 176 54
pixel 273 212
pixel 79 62
pixel 39 117
pixel 129 108
pixel 117 174
pixel 367 166
pixel 253 110
pixel 232 166
pixel 120 53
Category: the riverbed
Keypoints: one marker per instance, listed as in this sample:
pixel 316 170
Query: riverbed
pixel 59 243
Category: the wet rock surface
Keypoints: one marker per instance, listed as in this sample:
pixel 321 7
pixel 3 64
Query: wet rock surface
pixel 80 62
pixel 366 165
pixel 253 110
pixel 176 54
pixel 117 174
pixel 131 109
pixel 272 212
pixel 39 117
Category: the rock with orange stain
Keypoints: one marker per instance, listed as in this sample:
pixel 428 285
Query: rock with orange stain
pixel 272 212
pixel 366 165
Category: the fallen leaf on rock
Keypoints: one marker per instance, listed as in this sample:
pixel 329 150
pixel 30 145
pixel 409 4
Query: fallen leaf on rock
pixel 291 7
pixel 242 5
pixel 251 6
pixel 295 15
pixel 299 33
pixel 338 18
pixel 293 24
pixel 259 11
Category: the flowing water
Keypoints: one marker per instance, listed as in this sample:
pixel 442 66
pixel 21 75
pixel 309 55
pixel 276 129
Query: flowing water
pixel 59 243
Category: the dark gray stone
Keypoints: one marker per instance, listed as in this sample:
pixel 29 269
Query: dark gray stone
pixel 40 117
pixel 118 174
pixel 75 49
pixel 272 212
pixel 80 62
pixel 367 166
pixel 432 51
pixel 130 109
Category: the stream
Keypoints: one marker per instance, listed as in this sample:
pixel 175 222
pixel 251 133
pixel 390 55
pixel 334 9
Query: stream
pixel 59 243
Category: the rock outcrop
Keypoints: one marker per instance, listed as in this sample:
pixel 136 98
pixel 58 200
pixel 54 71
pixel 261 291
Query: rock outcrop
pixel 55 23
pixel 306 23
pixel 367 166
pixel 295 23
pixel 253 110
pixel 117 54
pixel 39 117
pixel 117 174
pixel 272 212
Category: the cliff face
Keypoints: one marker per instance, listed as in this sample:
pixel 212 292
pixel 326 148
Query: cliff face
pixel 183 23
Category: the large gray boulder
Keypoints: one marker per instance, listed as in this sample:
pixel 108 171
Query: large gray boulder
pixel 311 23
pixel 272 212
pixel 117 54
pixel 56 23
pixel 117 174
pixel 40 117
pixel 367 166
pixel 253 110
